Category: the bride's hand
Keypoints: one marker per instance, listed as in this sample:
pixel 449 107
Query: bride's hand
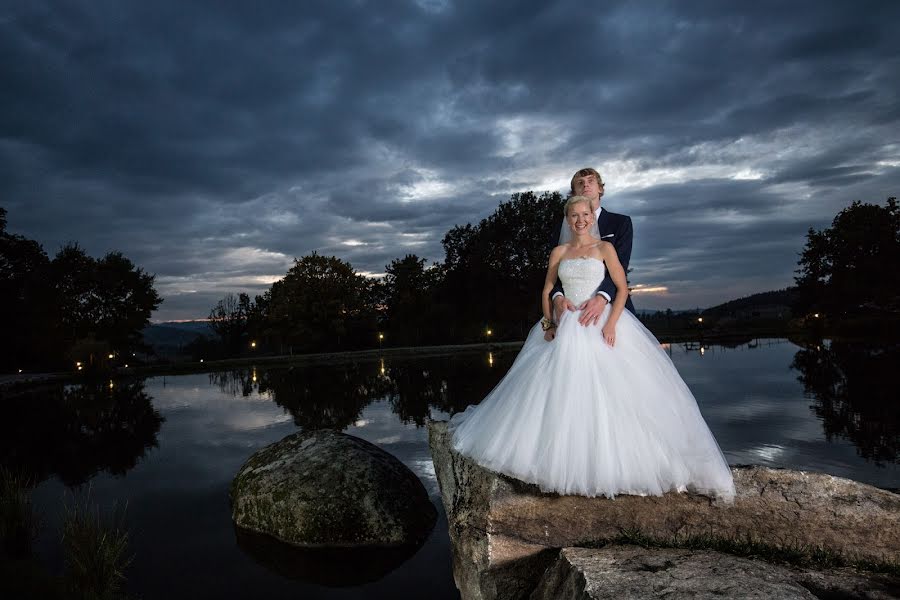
pixel 609 334
pixel 550 334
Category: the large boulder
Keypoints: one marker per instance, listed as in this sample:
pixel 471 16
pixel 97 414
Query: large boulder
pixel 505 533
pixel 325 488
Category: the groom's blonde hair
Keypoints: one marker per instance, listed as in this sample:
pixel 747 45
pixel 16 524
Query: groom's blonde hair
pixel 572 201
pixel 584 173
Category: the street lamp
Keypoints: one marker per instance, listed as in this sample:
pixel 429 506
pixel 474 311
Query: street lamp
pixel 380 339
pixel 699 319
pixel 253 344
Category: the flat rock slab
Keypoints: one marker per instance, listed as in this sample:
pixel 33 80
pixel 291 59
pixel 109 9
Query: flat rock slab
pixel 629 572
pixel 633 572
pixel 502 528
pixel 325 488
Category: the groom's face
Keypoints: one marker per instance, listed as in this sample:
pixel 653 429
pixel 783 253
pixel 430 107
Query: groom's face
pixel 589 187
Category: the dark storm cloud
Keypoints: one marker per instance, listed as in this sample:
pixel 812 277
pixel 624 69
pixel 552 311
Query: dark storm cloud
pixel 213 142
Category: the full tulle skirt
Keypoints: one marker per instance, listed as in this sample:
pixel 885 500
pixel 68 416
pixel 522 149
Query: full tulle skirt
pixel 577 416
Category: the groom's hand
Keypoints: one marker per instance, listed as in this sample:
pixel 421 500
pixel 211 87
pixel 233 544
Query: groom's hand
pixel 560 305
pixel 591 310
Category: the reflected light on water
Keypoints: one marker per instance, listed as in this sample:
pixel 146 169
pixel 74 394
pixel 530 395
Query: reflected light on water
pixel 490 359
pixel 768 452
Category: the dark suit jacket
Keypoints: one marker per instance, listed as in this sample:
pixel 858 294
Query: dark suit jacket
pixel 615 229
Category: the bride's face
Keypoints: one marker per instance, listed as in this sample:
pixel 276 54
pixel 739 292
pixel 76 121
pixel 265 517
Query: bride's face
pixel 580 217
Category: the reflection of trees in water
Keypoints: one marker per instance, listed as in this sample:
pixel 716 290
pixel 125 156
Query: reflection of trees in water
pixel 77 431
pixel 235 382
pixel 334 396
pixel 446 383
pixel 854 385
pixel 321 397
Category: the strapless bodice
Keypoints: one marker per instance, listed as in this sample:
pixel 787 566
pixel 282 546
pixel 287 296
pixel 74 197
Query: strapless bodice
pixel 580 277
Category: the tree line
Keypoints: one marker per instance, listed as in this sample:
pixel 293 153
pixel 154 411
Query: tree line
pixel 54 311
pixel 486 288
pixel 71 308
pixel 849 268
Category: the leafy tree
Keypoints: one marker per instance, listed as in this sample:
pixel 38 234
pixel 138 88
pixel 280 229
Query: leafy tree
pixel 109 299
pixel 494 271
pixel 846 267
pixel 321 304
pixel 230 318
pixel 406 293
pixel 26 300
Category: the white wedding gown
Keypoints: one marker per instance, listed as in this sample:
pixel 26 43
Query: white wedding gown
pixel 576 416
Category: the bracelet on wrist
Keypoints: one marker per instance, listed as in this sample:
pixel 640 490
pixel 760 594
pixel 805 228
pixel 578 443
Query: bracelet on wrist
pixel 547 324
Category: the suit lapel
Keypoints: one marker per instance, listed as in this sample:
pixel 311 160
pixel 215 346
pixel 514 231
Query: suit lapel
pixel 603 223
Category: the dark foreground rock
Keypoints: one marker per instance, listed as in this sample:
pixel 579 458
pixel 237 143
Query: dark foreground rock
pixel 629 572
pixel 324 488
pixel 506 533
pixel 633 572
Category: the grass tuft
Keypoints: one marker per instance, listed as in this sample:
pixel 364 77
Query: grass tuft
pixel 95 551
pixel 18 523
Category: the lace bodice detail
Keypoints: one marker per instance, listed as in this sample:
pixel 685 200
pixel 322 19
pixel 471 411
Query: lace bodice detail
pixel 580 277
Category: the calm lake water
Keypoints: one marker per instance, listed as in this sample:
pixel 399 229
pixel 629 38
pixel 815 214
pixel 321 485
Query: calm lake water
pixel 169 447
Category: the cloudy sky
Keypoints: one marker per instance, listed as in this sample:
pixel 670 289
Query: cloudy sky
pixel 213 142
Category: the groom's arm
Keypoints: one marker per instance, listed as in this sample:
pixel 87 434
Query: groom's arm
pixel 622 244
pixel 557 290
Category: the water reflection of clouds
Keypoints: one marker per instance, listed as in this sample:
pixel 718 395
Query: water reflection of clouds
pixel 211 407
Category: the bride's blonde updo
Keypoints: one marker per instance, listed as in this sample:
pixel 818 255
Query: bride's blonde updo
pixel 572 201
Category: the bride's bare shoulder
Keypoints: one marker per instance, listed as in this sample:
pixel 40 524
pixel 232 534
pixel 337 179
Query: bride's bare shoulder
pixel 603 248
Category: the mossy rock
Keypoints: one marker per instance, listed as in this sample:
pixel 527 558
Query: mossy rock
pixel 325 488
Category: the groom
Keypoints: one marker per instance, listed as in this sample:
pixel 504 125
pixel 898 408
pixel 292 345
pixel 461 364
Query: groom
pixel 615 229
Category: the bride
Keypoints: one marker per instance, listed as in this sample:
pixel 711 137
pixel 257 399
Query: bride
pixel 593 410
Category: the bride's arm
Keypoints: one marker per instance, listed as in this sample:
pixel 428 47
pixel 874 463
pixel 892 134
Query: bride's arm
pixel 550 281
pixel 617 273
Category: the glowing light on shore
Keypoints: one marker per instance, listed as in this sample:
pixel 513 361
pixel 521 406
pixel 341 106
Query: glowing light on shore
pixel 648 289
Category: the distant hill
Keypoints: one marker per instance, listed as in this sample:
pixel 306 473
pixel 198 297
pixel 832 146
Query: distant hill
pixel 777 301
pixel 170 338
